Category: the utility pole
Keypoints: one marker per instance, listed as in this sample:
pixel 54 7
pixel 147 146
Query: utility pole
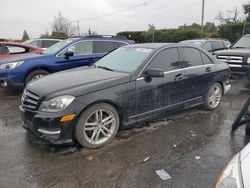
pixel 78 27
pixel 202 16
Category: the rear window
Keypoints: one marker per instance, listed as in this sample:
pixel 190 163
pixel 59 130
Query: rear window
pixel 106 46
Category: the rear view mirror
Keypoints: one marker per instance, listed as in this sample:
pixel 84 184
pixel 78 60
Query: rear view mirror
pixel 154 73
pixel 68 54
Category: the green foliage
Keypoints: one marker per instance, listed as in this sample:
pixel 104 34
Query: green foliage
pixel 25 36
pixel 232 32
pixel 163 35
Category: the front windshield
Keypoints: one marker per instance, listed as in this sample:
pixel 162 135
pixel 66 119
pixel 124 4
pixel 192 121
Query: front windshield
pixel 54 48
pixel 244 42
pixel 124 59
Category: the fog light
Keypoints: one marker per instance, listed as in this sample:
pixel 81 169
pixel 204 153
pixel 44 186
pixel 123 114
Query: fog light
pixel 4 83
pixel 49 131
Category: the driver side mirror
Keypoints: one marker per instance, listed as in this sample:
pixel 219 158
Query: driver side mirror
pixel 154 73
pixel 68 54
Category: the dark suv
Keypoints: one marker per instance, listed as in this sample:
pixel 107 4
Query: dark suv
pixel 238 56
pixel 209 44
pixel 67 54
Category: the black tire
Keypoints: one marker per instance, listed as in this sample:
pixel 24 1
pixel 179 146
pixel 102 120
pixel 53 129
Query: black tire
pixel 35 73
pixel 83 135
pixel 207 105
pixel 247 129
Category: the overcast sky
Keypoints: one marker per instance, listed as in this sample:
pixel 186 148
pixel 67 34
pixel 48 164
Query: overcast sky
pixel 105 16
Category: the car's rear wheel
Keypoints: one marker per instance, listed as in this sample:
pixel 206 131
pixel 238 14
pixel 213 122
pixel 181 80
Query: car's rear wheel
pixel 213 97
pixel 97 125
pixel 35 75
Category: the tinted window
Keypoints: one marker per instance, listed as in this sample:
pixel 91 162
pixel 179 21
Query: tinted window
pixel 207 46
pixel 191 57
pixel 166 60
pixel 217 45
pixel 48 43
pixel 81 48
pixel 206 59
pixel 16 49
pixel 105 46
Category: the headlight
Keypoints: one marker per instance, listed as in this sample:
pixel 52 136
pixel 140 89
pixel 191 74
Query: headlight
pixel 56 104
pixel 8 66
pixel 231 176
pixel 248 60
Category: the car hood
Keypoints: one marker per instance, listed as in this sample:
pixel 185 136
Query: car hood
pixel 245 165
pixel 236 52
pixel 22 58
pixel 76 82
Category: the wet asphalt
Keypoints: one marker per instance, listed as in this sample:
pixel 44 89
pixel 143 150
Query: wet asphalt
pixel 192 147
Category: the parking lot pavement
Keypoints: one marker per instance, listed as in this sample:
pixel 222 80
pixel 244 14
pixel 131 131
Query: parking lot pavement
pixel 192 147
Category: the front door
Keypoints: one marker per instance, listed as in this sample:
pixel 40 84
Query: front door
pixel 158 94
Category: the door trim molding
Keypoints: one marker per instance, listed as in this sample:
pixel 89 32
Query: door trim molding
pixel 166 107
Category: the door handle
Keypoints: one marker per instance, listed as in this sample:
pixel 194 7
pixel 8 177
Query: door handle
pixel 208 69
pixel 178 77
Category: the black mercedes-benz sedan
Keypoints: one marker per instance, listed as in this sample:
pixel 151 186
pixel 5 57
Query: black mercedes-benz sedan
pixel 129 85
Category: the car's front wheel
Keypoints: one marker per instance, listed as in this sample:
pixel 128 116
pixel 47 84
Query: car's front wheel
pixel 97 125
pixel 35 75
pixel 213 97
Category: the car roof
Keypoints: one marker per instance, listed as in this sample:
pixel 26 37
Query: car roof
pixel 151 45
pixel 102 37
pixel 204 40
pixel 44 39
pixel 18 44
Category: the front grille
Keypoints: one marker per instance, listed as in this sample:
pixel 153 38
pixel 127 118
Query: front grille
pixel 230 59
pixel 30 100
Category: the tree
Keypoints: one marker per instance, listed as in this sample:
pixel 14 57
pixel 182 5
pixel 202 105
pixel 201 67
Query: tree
pixel 231 16
pixel 45 35
pixel 210 27
pixel 25 36
pixel 246 10
pixel 62 27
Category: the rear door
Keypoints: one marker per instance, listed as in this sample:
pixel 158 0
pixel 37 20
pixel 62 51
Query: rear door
pixel 198 72
pixel 161 93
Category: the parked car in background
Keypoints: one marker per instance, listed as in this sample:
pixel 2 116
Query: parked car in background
pixel 129 85
pixel 237 172
pixel 209 44
pixel 42 43
pixel 11 49
pixel 67 54
pixel 238 56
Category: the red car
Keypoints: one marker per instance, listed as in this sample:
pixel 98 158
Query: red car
pixel 11 49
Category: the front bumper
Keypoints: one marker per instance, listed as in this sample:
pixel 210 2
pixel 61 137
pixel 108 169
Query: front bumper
pixel 10 80
pixel 48 127
pixel 240 69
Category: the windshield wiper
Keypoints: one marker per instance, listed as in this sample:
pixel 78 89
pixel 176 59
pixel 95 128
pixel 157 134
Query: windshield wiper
pixel 106 68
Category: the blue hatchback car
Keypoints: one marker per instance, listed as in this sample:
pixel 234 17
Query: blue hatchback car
pixel 67 54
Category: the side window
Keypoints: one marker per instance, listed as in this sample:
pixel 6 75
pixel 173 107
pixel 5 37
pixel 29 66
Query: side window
pixel 207 46
pixel 166 60
pixel 206 59
pixel 106 46
pixel 48 43
pixel 37 43
pixel 16 49
pixel 191 57
pixel 217 45
pixel 81 48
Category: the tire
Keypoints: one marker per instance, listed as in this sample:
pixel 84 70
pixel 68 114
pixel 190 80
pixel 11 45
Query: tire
pixel 91 132
pixel 247 129
pixel 212 98
pixel 34 75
